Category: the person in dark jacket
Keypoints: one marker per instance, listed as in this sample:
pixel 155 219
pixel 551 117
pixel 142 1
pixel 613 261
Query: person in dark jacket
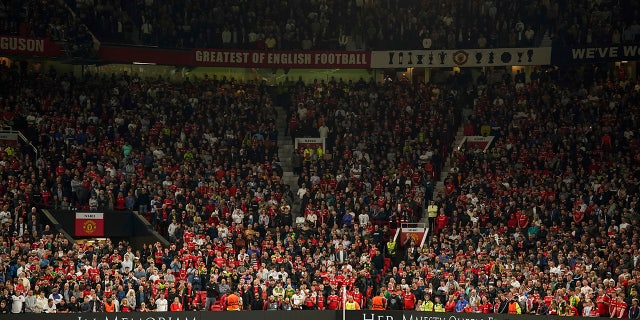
pixel 257 303
pixel 395 301
pixel 212 294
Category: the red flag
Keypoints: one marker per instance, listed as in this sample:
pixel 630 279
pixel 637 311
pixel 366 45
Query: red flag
pixel 89 224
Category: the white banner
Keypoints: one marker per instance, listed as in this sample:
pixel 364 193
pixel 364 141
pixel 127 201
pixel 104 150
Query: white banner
pixel 89 215
pixel 313 143
pixel 8 136
pixel 461 58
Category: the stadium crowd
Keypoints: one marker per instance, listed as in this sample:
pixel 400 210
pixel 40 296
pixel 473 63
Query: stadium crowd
pixel 544 222
pixel 360 24
pixel 98 154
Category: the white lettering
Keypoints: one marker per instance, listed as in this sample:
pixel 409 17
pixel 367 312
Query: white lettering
pixel 364 317
pixel 613 52
pixel 578 53
pixel 630 51
pixel 282 58
pixel 607 52
pixel 602 52
pixel 21 44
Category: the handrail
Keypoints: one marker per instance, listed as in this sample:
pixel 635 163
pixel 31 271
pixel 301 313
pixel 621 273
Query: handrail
pixel 23 139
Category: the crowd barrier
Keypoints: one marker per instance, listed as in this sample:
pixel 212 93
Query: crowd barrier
pixel 278 315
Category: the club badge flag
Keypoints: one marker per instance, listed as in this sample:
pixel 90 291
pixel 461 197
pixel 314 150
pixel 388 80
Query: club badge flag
pixel 89 224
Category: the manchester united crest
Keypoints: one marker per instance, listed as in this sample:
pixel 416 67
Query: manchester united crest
pixel 89 226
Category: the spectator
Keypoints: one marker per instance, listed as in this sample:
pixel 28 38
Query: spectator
pixel 50 307
pixel 176 305
pixel 161 303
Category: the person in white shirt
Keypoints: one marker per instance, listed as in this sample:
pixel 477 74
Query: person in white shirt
pixel 312 218
pixel 50 307
pixel 5 214
pixel 237 216
pixel 223 231
pixel 324 131
pixel 116 304
pixel 41 302
pixel 126 263
pixel 297 299
pixel 554 269
pixel 302 191
pixel 18 303
pixel 162 304
pixel 363 218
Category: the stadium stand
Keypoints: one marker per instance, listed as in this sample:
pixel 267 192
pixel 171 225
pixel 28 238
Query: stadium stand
pixel 360 24
pixel 545 222
pixel 546 218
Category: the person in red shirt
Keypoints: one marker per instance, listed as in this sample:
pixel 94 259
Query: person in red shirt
pixel 603 302
pixel 409 299
pixel 512 223
pixel 523 220
pixel 320 300
pixel 613 306
pixel 358 296
pixel 486 307
pixel 310 302
pixel 619 309
pixel 450 187
pixel 124 307
pixel 578 216
pixel 333 301
pixel 450 306
pixel 441 222
pixel 120 201
pixel 176 305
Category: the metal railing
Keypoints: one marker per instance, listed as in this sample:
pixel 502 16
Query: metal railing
pixel 7 133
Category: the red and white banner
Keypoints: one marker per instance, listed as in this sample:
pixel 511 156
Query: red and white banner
pixel 239 58
pixel 28 46
pixel 415 234
pixel 282 59
pixel 89 224
pixel 473 142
